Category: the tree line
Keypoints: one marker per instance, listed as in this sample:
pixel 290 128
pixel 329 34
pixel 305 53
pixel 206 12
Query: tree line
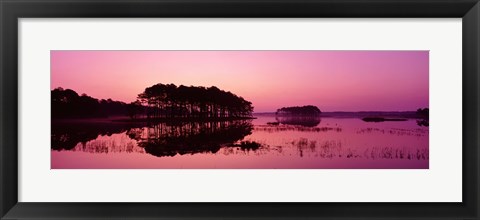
pixel 157 101
pixel 171 101
pixel 66 103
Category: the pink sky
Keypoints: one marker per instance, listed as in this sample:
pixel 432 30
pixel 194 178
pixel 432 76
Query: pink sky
pixel 331 80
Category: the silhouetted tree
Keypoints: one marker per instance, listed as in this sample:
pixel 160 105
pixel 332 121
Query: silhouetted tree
pixel 134 109
pixel 170 101
pixel 66 103
pixel 157 101
pixel 424 115
pixel 423 112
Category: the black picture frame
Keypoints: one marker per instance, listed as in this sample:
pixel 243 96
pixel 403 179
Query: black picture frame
pixel 12 10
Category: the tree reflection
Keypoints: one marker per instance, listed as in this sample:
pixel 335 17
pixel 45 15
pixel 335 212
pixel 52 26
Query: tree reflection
pixel 159 139
pixel 65 136
pixel 307 121
pixel 423 122
pixel 191 137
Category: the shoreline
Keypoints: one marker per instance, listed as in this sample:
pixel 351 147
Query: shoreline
pixel 361 114
pixel 127 120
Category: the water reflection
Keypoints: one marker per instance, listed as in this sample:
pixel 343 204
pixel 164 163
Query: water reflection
pixel 280 128
pixel 190 138
pixel 333 143
pixel 160 139
pixel 335 149
pixel 307 121
pixel 422 123
pixel 66 135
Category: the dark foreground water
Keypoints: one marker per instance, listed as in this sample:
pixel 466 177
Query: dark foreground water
pixel 264 142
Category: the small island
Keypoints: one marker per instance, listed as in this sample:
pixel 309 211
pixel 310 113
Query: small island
pixel 421 115
pixel 307 110
pixel 308 116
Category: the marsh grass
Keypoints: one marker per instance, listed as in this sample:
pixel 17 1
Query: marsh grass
pixel 326 149
pixel 106 145
pixel 334 149
pixel 394 131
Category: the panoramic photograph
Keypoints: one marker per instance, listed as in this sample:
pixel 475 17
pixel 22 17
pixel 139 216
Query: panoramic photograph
pixel 243 109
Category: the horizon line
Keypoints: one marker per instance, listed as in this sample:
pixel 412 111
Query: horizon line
pixel 345 111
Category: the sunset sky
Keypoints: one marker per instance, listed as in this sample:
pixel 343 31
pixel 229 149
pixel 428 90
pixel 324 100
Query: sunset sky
pixel 331 80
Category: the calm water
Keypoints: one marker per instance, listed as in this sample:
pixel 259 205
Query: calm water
pixel 265 142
